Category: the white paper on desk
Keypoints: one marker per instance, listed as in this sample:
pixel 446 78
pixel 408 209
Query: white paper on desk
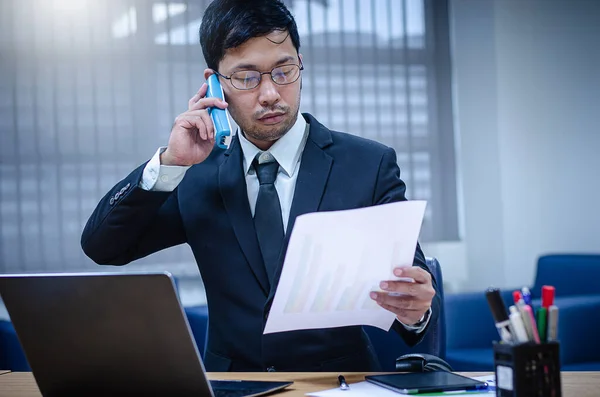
pixel 334 259
pixel 361 389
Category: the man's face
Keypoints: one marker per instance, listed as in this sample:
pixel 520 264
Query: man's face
pixel 267 112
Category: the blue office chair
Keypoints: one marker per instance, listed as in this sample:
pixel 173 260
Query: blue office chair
pixel 198 320
pixel 471 327
pixel 12 356
pixel 389 346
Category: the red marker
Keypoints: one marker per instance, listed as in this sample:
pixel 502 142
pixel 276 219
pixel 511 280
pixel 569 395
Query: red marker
pixel 547 296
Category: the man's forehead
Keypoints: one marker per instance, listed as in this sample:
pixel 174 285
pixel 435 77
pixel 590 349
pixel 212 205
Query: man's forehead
pixel 260 50
pixel 277 36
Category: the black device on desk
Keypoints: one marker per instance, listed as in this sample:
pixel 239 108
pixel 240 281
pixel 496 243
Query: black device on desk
pixel 421 362
pixel 426 382
pixel 111 334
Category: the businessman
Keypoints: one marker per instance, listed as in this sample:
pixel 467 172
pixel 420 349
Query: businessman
pixel 236 207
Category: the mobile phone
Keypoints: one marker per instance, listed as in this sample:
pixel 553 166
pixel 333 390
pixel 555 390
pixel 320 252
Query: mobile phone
pixel 219 116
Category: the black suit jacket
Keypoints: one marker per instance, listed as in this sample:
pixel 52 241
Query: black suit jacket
pixel 209 210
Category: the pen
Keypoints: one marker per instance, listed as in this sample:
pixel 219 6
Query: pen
pixel 343 384
pixel 498 310
pixel 541 315
pixel 526 295
pixel 547 296
pixel 552 323
pixel 517 296
pixel 517 324
pixel 543 319
pixel 531 319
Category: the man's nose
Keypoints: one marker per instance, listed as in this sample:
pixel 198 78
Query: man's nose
pixel 268 92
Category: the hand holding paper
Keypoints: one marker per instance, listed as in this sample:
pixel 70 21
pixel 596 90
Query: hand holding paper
pixel 335 259
pixel 407 300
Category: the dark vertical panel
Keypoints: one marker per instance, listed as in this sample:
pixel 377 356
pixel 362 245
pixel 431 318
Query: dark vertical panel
pixel 37 151
pixel 116 150
pixel 407 93
pixel 133 53
pixel 390 49
pixel 169 62
pixel 189 81
pixel 20 247
pixel 95 121
pixel 78 159
pixel 443 163
pixel 188 58
pixel 57 156
pixel 4 11
pixel 375 107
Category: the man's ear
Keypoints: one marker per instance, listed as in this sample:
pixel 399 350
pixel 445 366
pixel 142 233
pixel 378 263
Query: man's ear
pixel 207 73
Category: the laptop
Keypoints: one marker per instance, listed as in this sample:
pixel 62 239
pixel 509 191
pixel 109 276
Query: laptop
pixel 111 334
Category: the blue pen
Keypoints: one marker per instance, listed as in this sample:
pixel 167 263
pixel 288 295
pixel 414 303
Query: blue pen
pixel 526 295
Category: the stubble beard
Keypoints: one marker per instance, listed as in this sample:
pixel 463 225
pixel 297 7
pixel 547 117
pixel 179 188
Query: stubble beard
pixel 269 133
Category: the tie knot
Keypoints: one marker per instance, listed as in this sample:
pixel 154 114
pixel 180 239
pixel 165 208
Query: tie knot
pixel 266 172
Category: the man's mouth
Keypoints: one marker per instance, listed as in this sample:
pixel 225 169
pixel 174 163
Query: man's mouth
pixel 272 118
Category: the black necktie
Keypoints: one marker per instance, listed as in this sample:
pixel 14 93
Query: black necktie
pixel 267 216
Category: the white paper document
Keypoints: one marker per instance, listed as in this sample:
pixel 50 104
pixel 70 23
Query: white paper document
pixel 334 259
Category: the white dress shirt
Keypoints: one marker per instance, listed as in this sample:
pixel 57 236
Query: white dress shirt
pixel 288 153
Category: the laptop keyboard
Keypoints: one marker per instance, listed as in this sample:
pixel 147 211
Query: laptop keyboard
pixel 233 393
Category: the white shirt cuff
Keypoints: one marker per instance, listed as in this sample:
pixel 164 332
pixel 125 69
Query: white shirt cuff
pixel 420 325
pixel 161 178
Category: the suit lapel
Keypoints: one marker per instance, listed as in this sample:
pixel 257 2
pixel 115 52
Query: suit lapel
pixel 310 185
pixel 232 185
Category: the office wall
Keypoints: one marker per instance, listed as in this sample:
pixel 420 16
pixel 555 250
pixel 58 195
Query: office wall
pixel 527 81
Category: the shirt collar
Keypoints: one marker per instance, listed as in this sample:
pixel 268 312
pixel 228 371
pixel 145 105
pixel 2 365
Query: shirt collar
pixel 287 150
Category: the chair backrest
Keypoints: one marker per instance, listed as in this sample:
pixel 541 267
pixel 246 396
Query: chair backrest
pixel 571 274
pixel 389 345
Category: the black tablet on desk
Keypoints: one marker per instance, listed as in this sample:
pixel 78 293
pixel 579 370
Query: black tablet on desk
pixel 425 382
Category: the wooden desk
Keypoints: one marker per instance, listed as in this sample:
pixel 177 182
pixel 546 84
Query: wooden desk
pixel 574 384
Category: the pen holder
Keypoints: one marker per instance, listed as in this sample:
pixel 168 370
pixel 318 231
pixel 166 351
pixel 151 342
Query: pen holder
pixel 527 370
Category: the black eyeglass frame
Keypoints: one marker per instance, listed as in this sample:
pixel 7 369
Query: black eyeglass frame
pixel 300 67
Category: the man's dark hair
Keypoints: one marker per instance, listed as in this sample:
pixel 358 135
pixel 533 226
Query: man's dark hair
pixel 230 23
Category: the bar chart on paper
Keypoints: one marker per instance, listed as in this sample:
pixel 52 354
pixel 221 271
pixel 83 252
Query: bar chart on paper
pixel 335 259
pixel 326 294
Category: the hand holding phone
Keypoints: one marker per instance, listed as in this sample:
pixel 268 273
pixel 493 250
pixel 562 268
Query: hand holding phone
pixel 192 136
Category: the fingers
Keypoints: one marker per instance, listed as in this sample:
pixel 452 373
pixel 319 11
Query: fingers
pixel 417 273
pixel 199 101
pixel 408 317
pixel 199 94
pixel 197 120
pixel 409 310
pixel 400 302
pixel 408 300
pixel 406 288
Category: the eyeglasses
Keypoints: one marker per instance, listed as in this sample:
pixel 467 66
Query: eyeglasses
pixel 249 79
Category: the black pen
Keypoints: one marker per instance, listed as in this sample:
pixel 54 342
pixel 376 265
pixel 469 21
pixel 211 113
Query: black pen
pixel 343 384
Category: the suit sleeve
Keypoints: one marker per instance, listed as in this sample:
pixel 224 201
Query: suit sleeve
pixel 388 189
pixel 130 223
